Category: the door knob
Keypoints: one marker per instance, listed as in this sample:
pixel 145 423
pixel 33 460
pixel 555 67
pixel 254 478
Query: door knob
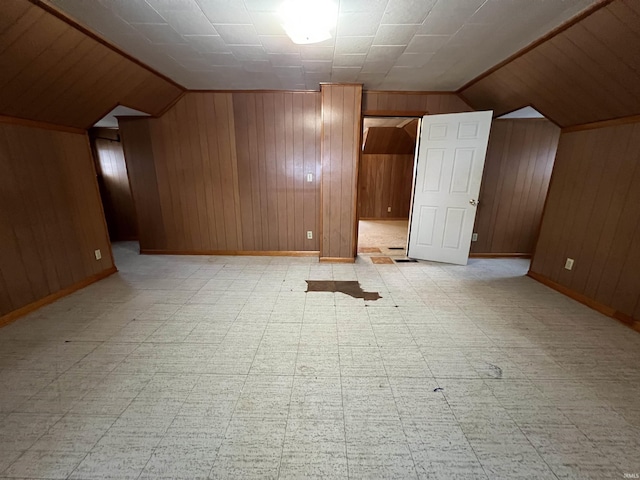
pixel 474 202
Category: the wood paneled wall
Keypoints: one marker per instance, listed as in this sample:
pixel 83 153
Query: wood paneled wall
pixel 388 140
pixel 593 216
pixel 341 132
pixel 412 103
pixel 385 181
pixel 586 73
pixel 227 172
pixel 52 72
pixel 277 138
pixel 51 220
pixel 114 188
pixel 515 180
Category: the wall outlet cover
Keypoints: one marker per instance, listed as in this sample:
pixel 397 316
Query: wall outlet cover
pixel 568 264
pixel 98 254
pixel 309 235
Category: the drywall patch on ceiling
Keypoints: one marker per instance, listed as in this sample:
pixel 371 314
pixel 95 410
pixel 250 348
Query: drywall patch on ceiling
pixel 526 112
pixel 110 120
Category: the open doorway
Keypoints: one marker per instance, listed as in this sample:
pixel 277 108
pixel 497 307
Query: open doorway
pixel 113 181
pixel 384 185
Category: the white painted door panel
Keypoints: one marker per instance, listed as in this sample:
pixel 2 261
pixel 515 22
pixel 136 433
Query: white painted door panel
pixel 451 155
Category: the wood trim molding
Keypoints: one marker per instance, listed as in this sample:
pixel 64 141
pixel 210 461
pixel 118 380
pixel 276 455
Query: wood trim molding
pixel 337 260
pixel 56 12
pixel 43 125
pixel 395 113
pixel 615 122
pixel 409 92
pixel 561 28
pixel 172 104
pixel 13 316
pixel 256 253
pixel 589 302
pixel 250 91
pixel 499 255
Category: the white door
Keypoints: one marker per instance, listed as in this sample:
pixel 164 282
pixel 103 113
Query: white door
pixel 447 182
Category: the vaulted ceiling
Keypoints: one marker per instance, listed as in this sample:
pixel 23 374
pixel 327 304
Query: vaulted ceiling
pixel 385 44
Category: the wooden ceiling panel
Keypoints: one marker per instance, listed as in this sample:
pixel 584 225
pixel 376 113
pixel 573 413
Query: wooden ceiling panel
pixel 588 72
pixel 388 140
pixel 51 71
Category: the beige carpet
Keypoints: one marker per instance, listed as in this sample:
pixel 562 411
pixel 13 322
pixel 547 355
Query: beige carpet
pixel 383 234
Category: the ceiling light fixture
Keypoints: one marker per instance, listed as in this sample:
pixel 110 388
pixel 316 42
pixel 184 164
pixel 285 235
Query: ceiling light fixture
pixel 308 21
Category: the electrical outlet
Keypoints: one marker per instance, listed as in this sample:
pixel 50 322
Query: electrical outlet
pixel 389 209
pixel 98 254
pixel 474 237
pixel 309 177
pixel 309 235
pixel 568 264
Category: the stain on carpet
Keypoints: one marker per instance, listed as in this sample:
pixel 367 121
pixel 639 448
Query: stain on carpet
pixel 381 260
pixel 351 288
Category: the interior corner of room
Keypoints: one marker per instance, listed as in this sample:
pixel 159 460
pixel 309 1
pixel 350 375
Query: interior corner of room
pixel 300 171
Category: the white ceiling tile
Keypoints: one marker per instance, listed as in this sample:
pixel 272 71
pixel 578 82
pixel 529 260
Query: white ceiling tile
pixel 263 5
pixel 181 50
pixel 159 32
pixel 225 11
pixel 385 53
pixel 254 66
pixel 238 34
pixel 407 11
pixel 310 52
pixel 249 52
pixel 394 34
pixel 370 80
pixel 441 25
pixel 190 23
pixel 351 6
pixel 208 43
pixel 377 67
pixel 267 23
pixel 195 64
pixel 311 66
pixel 313 80
pixel 285 59
pixel 278 44
pixel 427 43
pixel 351 60
pixel 220 59
pixel 350 45
pixel 345 74
pixel 290 72
pixel 458 39
pixel 173 5
pixel 358 24
pixel 415 60
pixel 133 12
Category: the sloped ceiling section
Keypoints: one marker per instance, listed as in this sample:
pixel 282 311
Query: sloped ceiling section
pixel 388 140
pixel 52 72
pixel 587 73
